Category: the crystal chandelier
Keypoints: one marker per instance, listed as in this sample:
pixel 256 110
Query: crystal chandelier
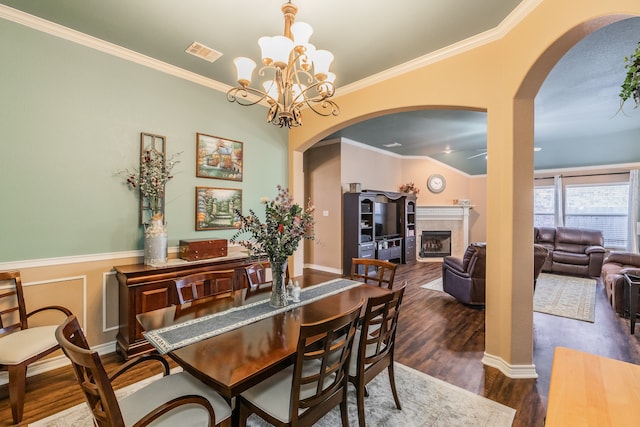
pixel 299 75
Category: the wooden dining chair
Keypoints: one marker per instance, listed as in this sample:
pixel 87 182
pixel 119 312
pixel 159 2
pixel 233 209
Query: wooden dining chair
pixel 200 285
pixel 21 345
pixel 316 383
pixel 174 400
pixel 374 346
pixel 373 271
pixel 259 274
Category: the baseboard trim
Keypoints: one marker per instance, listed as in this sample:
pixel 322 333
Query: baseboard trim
pixel 57 362
pixel 323 268
pixel 511 371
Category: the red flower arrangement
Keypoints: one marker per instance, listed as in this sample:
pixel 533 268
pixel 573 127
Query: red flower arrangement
pixel 286 224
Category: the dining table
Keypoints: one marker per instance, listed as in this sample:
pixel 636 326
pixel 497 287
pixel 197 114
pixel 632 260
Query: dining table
pixel 233 357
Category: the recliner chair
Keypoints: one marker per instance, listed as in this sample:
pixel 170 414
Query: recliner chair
pixel 464 278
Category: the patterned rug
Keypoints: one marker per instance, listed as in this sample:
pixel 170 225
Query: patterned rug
pixel 564 296
pixel 426 401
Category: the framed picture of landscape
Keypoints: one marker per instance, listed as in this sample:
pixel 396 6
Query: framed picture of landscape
pixel 218 158
pixel 215 207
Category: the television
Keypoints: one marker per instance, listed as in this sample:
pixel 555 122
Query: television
pixel 386 219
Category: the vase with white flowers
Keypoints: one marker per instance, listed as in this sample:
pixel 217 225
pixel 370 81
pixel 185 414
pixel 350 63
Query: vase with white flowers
pixel 150 179
pixel 285 224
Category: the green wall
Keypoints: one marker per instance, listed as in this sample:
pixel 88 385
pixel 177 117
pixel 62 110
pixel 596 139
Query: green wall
pixel 71 117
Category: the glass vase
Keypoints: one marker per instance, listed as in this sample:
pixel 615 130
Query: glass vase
pixel 279 286
pixel 155 243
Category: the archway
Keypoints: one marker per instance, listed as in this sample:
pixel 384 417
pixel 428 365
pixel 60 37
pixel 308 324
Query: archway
pixel 502 77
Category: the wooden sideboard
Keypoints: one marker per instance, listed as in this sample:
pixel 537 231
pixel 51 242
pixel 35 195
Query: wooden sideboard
pixel 143 288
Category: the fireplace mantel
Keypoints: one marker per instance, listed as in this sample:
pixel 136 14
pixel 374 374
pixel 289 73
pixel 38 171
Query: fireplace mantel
pixel 439 216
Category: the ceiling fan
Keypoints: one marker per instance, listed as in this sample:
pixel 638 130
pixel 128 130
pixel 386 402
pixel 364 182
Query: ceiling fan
pixel 484 153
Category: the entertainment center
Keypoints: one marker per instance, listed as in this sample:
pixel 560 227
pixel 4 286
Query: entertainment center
pixel 380 225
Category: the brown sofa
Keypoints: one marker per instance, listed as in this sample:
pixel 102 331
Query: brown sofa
pixel 615 265
pixel 464 278
pixel 575 251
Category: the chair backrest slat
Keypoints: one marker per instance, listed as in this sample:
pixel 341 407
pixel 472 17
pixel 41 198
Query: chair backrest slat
pixel 257 274
pixel 200 285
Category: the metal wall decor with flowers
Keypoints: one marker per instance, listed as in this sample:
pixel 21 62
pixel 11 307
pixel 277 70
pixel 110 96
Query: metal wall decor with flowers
pixel 285 225
pixel 150 180
pixel 151 177
pixel 409 187
pixel 630 88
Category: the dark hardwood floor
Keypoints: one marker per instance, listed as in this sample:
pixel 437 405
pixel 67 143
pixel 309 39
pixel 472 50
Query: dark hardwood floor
pixel 437 335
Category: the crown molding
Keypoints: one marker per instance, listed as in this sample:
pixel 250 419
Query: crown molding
pixel 513 19
pixel 31 21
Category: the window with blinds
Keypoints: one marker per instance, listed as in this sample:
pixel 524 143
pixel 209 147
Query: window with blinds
pixel 601 207
pixel 543 214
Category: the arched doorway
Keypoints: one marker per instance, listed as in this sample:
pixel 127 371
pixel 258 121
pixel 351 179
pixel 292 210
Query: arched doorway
pixel 502 77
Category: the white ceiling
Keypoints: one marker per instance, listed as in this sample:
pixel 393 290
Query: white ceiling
pixel 576 124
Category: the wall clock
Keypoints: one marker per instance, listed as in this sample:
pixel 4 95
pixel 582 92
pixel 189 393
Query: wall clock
pixel 436 183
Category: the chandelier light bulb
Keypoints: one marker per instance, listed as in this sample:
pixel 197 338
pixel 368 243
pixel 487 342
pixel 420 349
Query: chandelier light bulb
pixel 301 33
pixel 282 47
pixel 266 50
pixel 321 63
pixel 244 70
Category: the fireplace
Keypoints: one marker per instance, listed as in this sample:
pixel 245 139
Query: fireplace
pixel 453 218
pixel 435 244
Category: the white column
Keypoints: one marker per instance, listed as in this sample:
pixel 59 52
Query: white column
pixel 465 226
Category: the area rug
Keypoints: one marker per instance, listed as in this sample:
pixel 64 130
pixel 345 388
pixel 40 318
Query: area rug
pixel 566 296
pixel 434 285
pixel 426 401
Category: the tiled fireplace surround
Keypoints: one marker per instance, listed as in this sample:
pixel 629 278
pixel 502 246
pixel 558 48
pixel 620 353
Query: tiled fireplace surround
pixel 444 218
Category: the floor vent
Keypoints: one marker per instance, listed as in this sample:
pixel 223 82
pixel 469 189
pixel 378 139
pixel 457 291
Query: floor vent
pixel 204 52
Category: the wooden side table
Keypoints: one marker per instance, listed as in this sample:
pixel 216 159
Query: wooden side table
pixel 631 293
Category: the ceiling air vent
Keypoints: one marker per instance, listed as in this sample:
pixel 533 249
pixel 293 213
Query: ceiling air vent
pixel 204 52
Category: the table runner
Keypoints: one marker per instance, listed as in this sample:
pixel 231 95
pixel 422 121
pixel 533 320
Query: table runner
pixel 175 336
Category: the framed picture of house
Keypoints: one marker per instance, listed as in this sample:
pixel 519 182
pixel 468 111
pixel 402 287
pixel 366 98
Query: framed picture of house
pixel 215 207
pixel 218 158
